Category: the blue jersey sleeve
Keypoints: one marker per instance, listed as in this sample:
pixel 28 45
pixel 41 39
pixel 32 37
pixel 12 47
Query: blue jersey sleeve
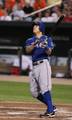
pixel 50 43
pixel 28 41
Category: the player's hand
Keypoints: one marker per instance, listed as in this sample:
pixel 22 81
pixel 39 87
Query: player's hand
pixel 36 42
pixel 44 44
pixel 48 51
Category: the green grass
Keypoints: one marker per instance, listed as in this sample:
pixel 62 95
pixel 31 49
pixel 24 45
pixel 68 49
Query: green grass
pixel 18 91
pixel 14 91
pixel 62 94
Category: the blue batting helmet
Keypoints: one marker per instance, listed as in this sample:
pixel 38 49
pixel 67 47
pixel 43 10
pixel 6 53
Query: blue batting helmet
pixel 41 26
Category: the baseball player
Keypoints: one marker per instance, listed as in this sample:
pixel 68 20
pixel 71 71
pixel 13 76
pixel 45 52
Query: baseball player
pixel 40 46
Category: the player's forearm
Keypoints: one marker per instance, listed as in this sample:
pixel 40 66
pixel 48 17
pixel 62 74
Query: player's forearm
pixel 48 51
pixel 30 48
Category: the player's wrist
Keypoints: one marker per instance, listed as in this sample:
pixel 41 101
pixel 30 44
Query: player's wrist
pixel 46 47
pixel 33 44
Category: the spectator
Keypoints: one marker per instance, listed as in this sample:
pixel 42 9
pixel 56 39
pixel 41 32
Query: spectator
pixel 67 11
pixel 1 9
pixel 28 9
pixel 32 2
pixel 29 6
pixel 15 7
pixel 38 17
pixel 9 4
pixel 21 2
pixel 47 17
pixel 38 4
pixel 5 17
pixel 57 10
pixel 55 17
pixel 18 14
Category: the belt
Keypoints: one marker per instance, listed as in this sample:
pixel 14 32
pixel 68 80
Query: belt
pixel 37 62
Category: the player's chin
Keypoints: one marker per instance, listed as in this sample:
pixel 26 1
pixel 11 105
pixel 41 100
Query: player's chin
pixel 35 31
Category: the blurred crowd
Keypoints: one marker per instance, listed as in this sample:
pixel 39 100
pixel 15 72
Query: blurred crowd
pixel 11 10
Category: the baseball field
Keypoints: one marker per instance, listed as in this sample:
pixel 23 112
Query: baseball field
pixel 16 102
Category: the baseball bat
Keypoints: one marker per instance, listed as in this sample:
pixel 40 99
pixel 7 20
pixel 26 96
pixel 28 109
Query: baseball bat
pixel 60 19
pixel 43 9
pixel 54 27
pixel 57 24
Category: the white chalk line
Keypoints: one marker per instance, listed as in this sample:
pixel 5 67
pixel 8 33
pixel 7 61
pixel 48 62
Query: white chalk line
pixel 59 111
pixel 31 109
pixel 15 114
pixel 21 108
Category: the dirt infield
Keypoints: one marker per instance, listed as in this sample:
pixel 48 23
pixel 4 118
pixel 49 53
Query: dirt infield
pixel 32 111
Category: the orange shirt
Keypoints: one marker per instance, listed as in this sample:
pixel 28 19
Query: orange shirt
pixel 9 3
pixel 39 4
pixel 1 12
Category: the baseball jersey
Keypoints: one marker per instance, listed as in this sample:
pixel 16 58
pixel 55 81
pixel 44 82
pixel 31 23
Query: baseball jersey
pixel 38 52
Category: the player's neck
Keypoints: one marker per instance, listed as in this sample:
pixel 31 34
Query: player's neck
pixel 39 34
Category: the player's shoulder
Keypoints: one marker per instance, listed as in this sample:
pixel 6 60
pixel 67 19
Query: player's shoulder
pixel 29 39
pixel 47 36
pixel 44 36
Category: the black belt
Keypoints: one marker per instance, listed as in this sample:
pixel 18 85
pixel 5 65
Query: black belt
pixel 37 62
